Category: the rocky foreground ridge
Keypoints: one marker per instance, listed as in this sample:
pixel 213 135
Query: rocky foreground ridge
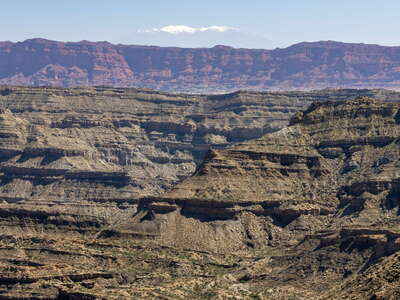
pixel 310 211
pixel 303 66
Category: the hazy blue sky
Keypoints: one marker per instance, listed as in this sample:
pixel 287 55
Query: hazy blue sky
pixel 140 21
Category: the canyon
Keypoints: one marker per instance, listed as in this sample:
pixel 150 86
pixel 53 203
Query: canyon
pixel 114 193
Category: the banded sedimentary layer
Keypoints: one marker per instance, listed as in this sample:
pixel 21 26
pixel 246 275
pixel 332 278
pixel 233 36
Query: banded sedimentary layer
pixel 141 142
pixel 302 66
pixel 309 211
pixel 324 190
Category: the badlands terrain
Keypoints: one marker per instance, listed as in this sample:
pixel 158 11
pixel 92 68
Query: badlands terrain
pixel 111 193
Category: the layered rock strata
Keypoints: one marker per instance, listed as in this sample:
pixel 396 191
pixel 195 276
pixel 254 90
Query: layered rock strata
pixel 335 165
pixel 302 66
pixel 142 139
pixel 306 212
pixel 326 187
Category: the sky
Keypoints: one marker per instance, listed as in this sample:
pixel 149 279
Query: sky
pixel 203 23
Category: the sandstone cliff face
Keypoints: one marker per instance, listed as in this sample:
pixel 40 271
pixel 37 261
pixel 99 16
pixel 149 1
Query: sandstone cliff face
pixel 326 187
pixel 145 141
pixel 301 66
pixel 335 159
pixel 310 211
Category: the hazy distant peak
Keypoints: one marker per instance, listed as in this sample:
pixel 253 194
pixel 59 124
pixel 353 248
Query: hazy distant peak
pixel 178 29
pixel 197 37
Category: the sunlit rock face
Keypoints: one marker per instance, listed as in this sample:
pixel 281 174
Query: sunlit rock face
pixel 134 193
pixel 133 142
pixel 303 66
pixel 336 165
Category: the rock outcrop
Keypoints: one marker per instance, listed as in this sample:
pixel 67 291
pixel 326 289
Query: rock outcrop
pixel 326 187
pixel 218 69
pixel 134 142
pixel 335 159
pixel 91 209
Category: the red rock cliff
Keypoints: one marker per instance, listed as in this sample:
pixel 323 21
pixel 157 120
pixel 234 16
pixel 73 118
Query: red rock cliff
pixel 221 68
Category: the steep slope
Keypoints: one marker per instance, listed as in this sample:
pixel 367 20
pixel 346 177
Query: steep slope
pixel 307 212
pixel 325 191
pixel 336 159
pixel 221 68
pixel 380 281
pixel 145 139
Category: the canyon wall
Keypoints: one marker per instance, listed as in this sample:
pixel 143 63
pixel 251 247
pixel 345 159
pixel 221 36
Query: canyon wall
pixel 112 193
pixel 199 70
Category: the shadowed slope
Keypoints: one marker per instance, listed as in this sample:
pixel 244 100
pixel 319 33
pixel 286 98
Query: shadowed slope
pixel 300 213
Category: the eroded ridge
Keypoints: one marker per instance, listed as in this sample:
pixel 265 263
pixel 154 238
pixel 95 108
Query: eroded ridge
pixel 307 212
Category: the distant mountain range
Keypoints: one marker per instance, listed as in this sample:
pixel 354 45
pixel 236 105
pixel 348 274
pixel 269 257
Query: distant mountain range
pixel 198 37
pixel 303 66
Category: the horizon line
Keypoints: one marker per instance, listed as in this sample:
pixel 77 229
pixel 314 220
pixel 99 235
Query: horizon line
pixel 210 47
